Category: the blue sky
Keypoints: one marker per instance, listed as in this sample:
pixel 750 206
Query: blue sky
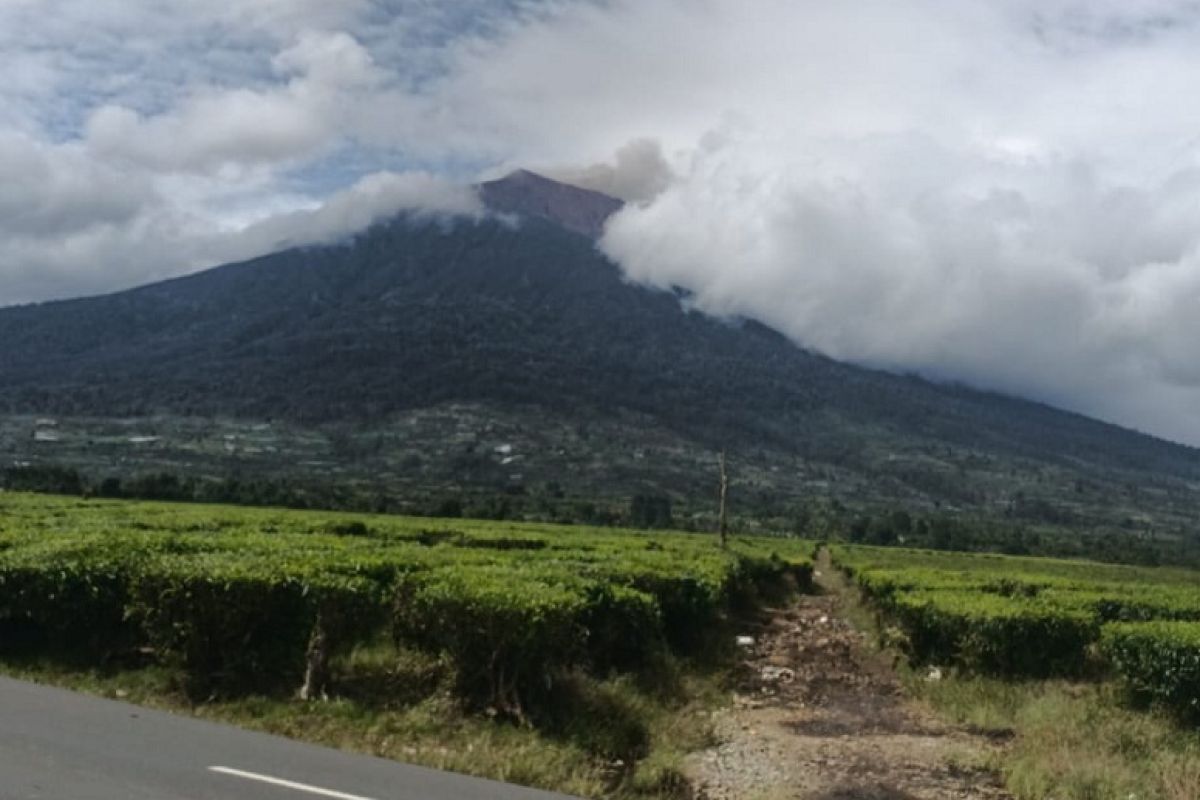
pixel 1004 192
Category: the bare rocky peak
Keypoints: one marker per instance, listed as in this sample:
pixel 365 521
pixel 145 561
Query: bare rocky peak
pixel 526 193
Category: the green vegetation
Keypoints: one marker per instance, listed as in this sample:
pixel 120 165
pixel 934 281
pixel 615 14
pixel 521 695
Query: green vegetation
pixel 1028 617
pixel 1070 740
pixel 755 510
pixel 1083 737
pixel 1160 661
pixel 1013 532
pixel 1090 672
pixel 598 638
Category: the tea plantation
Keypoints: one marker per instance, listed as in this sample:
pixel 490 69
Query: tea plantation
pixel 1022 617
pixel 259 600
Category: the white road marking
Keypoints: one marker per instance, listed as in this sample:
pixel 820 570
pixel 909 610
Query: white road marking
pixel 300 787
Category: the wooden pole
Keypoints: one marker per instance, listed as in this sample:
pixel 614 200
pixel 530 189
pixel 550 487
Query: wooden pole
pixel 723 522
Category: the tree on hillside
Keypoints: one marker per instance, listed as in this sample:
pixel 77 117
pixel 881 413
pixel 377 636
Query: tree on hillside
pixel 722 518
pixel 651 511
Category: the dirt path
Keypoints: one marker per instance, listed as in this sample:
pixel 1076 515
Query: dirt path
pixel 819 716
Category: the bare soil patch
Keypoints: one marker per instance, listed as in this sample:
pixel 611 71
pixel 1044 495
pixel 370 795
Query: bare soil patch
pixel 819 715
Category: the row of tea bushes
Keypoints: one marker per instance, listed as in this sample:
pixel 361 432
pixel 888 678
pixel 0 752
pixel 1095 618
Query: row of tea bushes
pixel 241 600
pixel 1027 617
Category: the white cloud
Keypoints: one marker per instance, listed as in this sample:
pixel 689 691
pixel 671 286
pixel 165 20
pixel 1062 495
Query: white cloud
pixel 372 199
pixel 639 172
pixel 48 191
pixel 215 128
pixel 144 140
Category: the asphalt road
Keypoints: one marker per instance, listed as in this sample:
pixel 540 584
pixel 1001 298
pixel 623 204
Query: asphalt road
pixel 60 745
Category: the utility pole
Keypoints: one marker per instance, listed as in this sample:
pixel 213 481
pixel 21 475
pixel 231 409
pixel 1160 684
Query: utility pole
pixel 723 522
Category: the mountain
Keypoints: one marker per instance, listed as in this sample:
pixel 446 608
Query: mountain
pixel 437 355
pixel 527 194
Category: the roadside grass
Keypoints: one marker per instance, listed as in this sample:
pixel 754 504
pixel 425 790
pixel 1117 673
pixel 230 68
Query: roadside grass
pixel 1071 741
pixel 622 738
pixel 1057 739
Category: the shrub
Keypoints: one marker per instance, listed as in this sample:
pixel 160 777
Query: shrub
pixel 624 627
pixel 238 623
pixel 994 634
pixel 1159 661
pixel 507 629
pixel 67 598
